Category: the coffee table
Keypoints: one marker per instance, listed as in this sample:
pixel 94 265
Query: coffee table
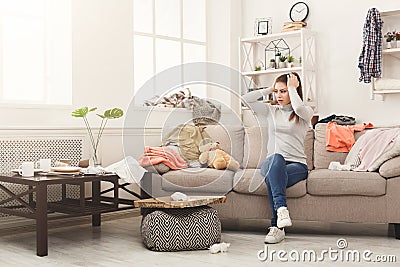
pixel 38 208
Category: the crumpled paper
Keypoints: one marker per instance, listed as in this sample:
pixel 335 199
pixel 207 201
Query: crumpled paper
pixel 219 247
pixel 178 196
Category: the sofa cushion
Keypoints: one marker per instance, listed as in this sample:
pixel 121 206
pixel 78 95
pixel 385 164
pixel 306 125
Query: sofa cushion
pixel 199 180
pixel 337 183
pixel 322 157
pixel 230 137
pixel 309 148
pixel 250 181
pixel 255 146
pixel 390 168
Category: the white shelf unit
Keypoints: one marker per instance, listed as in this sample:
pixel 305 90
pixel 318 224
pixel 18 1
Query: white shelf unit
pixel 301 43
pixel 390 57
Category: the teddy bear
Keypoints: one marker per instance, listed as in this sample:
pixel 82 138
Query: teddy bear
pixel 215 157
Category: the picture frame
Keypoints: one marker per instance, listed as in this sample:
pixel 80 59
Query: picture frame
pixel 262 26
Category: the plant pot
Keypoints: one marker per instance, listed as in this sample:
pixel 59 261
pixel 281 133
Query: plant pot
pixel 388 45
pixel 289 64
pixel 282 65
pixel 272 65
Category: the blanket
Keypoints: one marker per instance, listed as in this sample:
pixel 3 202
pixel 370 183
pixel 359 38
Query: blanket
pixel 166 155
pixel 374 148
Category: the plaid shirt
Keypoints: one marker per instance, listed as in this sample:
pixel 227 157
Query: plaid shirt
pixel 370 60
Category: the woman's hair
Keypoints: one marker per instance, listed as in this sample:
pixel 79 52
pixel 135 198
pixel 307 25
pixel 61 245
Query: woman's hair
pixel 284 79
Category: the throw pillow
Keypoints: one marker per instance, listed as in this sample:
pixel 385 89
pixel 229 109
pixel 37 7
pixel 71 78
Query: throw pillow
pixel 390 168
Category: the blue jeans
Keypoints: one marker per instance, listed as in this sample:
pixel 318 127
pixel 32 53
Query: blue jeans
pixel 280 174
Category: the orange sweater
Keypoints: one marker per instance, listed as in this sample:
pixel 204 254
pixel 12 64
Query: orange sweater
pixel 341 138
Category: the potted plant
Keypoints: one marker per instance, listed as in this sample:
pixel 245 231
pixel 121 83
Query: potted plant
pixel 290 61
pixel 272 63
pixel 390 39
pixel 259 65
pixel 282 63
pixel 94 141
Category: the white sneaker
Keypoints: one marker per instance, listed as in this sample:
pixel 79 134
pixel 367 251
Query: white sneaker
pixel 275 235
pixel 283 217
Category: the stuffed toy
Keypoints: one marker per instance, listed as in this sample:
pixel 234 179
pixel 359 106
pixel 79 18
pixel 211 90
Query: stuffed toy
pixel 216 158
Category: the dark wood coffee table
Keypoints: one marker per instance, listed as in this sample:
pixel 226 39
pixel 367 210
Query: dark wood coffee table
pixel 38 208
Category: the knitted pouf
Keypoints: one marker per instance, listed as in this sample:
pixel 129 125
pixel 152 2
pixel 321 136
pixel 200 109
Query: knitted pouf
pixel 181 229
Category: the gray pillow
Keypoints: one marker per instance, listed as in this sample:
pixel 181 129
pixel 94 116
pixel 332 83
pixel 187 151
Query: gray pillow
pixel 390 168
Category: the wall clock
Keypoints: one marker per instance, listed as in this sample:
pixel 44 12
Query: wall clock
pixel 299 11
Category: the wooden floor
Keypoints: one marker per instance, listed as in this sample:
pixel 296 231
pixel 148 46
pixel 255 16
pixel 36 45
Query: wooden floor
pixel 118 243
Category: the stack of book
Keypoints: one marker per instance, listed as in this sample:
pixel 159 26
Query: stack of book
pixel 293 26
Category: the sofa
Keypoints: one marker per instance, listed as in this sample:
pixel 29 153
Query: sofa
pixel 326 196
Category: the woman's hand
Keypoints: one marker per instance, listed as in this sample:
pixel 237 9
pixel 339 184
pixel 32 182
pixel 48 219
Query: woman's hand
pixel 292 81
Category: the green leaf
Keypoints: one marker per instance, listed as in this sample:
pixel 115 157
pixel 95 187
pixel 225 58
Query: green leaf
pixel 116 113
pixel 101 116
pixel 107 113
pixel 80 112
pixel 93 109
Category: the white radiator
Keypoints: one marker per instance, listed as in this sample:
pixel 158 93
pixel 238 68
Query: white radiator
pixel 15 150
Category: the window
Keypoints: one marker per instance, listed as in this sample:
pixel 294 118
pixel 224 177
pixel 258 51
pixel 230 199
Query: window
pixel 35 52
pixel 168 33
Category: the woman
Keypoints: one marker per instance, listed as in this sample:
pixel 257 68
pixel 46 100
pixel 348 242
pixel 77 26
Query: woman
pixel 286 161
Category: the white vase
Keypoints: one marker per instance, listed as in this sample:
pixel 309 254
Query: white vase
pixel 388 45
pixel 282 65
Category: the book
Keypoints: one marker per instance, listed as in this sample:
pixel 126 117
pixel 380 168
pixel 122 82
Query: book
pixel 303 23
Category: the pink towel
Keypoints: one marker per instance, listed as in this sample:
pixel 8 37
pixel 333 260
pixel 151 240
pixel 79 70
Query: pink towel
pixel 166 155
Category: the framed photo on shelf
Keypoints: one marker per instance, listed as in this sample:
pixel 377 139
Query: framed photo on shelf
pixel 262 26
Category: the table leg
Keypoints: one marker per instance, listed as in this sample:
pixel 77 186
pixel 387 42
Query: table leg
pixel 96 218
pixel 41 220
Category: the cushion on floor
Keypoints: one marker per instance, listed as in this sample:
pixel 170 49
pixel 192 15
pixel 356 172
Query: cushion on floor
pixel 181 229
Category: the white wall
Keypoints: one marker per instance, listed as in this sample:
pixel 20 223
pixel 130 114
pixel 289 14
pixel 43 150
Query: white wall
pixel 102 66
pixel 339 27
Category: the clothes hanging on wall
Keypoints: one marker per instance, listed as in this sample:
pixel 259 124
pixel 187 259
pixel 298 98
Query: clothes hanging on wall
pixel 370 60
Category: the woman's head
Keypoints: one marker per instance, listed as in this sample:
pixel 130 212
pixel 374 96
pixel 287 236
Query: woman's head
pixel 281 93
pixel 280 89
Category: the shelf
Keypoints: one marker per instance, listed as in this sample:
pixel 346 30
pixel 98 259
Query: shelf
pixel 390 13
pixel 391 50
pixel 270 71
pixel 378 92
pixel 72 206
pixel 271 36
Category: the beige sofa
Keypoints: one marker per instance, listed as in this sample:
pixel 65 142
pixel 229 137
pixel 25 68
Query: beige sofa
pixel 327 195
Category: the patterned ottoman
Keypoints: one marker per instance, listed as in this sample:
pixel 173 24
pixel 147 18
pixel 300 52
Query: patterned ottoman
pixel 181 229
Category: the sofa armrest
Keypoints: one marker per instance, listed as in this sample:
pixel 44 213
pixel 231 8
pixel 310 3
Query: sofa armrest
pixel 393 199
pixel 150 186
